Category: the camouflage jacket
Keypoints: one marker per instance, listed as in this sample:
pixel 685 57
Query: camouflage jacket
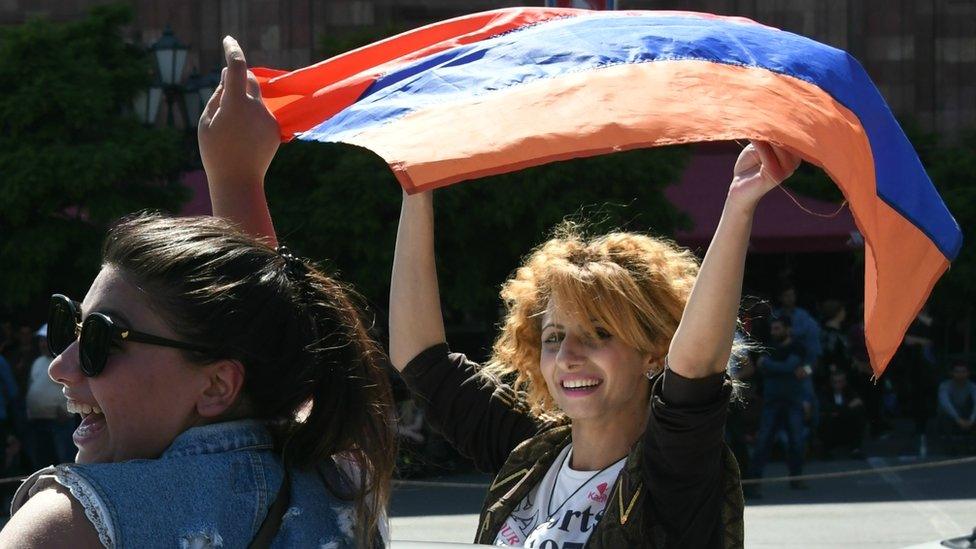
pixel 626 522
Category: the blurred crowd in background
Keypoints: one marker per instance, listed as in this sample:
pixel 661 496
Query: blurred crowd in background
pixel 807 392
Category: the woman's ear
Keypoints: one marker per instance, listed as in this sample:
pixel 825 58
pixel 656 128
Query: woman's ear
pixel 224 382
pixel 654 363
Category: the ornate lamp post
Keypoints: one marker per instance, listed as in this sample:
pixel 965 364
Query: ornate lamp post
pixel 188 96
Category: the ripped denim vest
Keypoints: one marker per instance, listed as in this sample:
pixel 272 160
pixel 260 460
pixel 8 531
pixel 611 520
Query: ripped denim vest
pixel 211 488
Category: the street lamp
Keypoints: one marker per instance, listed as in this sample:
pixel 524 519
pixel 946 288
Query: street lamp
pixel 146 103
pixel 170 57
pixel 189 96
pixel 196 93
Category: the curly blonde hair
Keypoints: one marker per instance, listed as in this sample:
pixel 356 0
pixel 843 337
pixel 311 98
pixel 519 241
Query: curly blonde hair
pixel 635 285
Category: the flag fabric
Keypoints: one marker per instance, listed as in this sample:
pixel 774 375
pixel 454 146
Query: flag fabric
pixel 582 4
pixel 503 90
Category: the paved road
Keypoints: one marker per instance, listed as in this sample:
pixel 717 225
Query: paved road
pixel 873 511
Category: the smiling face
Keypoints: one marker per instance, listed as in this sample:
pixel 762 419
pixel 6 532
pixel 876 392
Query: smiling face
pixel 591 373
pixel 147 394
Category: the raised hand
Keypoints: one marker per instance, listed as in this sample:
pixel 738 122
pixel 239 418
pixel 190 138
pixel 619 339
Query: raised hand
pixel 238 135
pixel 702 343
pixel 760 167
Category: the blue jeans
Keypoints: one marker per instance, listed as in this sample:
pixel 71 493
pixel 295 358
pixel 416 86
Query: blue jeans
pixel 777 414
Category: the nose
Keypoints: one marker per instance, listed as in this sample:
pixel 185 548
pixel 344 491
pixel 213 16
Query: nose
pixel 66 368
pixel 570 354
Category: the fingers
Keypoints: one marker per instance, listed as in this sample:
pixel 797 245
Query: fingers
pixel 770 163
pixel 777 162
pixel 235 75
pixel 213 103
pixel 253 88
pixel 787 160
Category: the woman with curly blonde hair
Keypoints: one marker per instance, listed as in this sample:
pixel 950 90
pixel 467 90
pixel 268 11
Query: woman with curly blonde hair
pixel 602 409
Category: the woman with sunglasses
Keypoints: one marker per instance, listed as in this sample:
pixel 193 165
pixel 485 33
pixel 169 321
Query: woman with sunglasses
pixel 230 396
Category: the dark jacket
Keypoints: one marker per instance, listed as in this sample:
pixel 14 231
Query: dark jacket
pixel 679 486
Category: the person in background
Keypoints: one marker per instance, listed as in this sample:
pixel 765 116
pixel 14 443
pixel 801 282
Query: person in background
pixel 803 327
pixel 9 397
pixel 914 375
pixel 862 378
pixel 6 337
pixel 957 403
pixel 835 348
pixel 806 331
pixel 743 418
pixel 20 355
pixel 843 417
pixel 784 373
pixel 49 425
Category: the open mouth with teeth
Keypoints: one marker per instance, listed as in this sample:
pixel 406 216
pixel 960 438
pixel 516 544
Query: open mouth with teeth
pixel 580 386
pixel 92 421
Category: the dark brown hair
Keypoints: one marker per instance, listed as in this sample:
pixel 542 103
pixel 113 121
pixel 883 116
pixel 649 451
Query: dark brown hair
pixel 311 369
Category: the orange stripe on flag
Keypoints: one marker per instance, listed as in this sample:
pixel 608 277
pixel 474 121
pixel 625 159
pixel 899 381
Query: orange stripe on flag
pixel 645 105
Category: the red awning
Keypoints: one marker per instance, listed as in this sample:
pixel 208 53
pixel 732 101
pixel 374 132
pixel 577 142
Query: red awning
pixel 780 225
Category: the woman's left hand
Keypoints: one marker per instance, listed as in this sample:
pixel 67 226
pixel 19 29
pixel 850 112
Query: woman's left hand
pixel 238 136
pixel 760 167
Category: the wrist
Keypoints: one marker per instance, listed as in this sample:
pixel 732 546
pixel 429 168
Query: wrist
pixel 230 180
pixel 741 203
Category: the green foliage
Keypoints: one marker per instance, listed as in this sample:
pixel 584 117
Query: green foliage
pixel 953 170
pixel 333 44
pixel 71 161
pixel 342 203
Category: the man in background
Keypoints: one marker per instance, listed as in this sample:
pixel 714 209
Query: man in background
pixel 49 423
pixel 784 373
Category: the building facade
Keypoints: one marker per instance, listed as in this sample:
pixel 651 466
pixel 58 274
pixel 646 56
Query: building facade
pixel 920 53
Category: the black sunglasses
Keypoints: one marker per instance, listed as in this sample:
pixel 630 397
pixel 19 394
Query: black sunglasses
pixel 96 335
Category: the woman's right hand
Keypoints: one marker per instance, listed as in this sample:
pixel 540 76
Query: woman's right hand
pixel 238 135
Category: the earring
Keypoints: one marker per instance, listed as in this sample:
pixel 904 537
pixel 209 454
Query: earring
pixel 649 374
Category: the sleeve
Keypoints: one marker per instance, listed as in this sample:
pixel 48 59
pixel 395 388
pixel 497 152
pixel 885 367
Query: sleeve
pixel 484 421
pixel 945 403
pixel 682 462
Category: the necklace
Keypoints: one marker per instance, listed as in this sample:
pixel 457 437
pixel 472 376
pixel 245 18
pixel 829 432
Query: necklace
pixel 555 481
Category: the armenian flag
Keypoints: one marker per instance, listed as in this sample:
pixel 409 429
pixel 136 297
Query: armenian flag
pixel 507 89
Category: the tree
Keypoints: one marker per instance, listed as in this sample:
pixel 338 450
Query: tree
pixel 71 161
pixel 953 170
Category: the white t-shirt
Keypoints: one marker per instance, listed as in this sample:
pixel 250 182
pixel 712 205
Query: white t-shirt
pixel 563 509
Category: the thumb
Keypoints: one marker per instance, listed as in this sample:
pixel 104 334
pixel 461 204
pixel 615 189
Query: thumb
pixel 236 76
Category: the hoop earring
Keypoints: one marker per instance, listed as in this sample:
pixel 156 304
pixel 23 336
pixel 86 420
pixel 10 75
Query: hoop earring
pixel 649 374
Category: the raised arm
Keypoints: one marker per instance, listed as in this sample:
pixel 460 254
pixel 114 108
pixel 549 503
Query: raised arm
pixel 238 138
pixel 788 365
pixel 416 321
pixel 702 343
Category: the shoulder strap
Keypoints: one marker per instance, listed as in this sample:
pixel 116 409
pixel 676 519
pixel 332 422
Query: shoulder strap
pixel 272 522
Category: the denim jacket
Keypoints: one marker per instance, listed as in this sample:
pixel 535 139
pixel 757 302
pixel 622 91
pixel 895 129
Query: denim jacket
pixel 211 488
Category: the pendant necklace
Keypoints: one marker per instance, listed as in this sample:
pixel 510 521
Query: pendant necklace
pixel 552 491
